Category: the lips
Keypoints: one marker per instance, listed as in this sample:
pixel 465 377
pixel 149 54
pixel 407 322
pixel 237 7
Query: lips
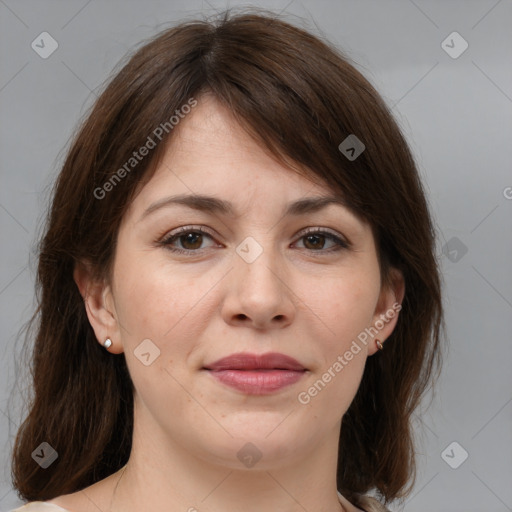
pixel 257 374
pixel 245 361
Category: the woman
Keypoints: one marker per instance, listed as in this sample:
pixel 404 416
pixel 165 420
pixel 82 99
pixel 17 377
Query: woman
pixel 240 303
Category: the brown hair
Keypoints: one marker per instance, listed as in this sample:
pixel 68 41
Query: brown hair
pixel 300 98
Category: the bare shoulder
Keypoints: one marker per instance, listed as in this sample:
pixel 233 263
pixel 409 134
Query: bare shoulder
pixel 87 500
pixel 39 506
pixel 90 499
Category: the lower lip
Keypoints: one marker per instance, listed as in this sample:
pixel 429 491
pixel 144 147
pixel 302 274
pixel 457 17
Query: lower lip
pixel 257 382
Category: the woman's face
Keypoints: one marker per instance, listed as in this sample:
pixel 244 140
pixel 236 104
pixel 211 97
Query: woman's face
pixel 253 282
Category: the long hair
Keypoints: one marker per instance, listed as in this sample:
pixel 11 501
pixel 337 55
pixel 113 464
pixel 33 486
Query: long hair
pixel 299 98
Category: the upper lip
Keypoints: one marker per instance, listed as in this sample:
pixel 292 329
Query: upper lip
pixel 246 361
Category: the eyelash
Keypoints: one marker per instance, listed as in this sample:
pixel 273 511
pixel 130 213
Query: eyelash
pixel 169 239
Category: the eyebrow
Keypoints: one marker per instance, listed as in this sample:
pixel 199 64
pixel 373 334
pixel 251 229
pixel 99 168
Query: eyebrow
pixel 212 204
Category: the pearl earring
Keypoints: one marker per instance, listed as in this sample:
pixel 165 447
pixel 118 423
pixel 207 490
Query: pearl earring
pixel 107 343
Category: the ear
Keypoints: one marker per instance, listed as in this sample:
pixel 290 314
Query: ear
pixel 100 307
pixel 387 310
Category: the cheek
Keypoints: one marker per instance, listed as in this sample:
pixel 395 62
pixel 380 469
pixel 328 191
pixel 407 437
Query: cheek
pixel 150 299
pixel 171 308
pixel 347 304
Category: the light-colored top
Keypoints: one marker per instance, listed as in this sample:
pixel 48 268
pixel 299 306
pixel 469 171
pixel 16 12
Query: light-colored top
pixel 370 505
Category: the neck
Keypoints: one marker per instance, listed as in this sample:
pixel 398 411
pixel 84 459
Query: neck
pixel 165 475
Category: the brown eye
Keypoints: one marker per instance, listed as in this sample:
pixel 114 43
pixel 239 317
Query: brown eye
pixel 315 241
pixel 190 240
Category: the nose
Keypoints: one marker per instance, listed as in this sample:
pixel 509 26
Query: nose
pixel 259 294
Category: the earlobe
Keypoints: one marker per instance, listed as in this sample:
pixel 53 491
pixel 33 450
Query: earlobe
pixel 99 308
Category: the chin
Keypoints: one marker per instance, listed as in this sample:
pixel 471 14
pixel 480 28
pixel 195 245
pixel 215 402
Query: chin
pixel 263 447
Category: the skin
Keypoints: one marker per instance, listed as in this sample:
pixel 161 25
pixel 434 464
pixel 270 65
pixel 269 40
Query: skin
pixel 296 298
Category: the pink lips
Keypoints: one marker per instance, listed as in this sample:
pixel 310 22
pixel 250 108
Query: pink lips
pixel 257 374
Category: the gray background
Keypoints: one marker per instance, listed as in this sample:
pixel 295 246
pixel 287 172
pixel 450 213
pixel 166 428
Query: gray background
pixel 456 113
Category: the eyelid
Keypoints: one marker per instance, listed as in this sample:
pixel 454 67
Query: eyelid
pixel 175 233
pixel 328 231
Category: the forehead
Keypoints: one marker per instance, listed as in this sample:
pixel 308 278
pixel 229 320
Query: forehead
pixel 210 154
